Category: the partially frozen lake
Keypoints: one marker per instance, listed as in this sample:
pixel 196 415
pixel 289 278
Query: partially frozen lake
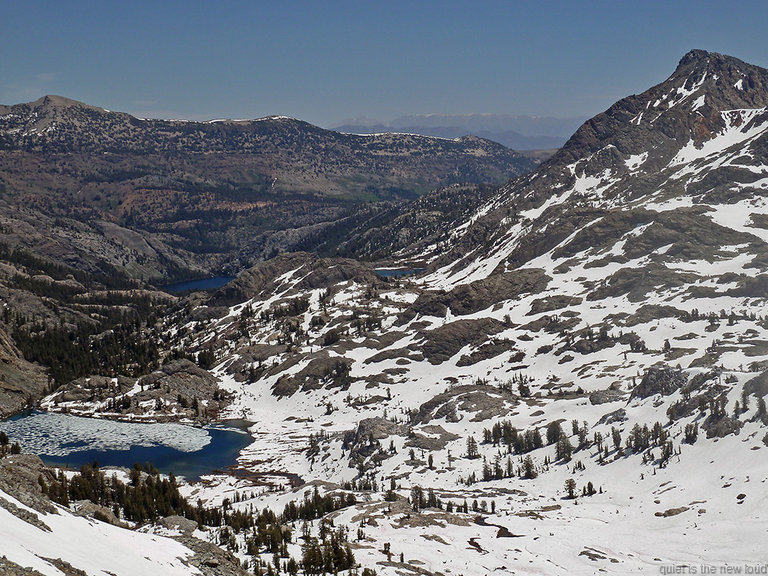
pixel 66 440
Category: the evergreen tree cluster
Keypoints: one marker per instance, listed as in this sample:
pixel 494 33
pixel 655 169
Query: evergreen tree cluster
pixel 641 437
pixel 518 442
pixel 419 501
pixel 149 497
pixel 317 506
pixel 328 554
pixel 119 339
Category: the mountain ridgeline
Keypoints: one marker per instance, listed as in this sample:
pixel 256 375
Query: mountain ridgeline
pixel 696 143
pixel 516 132
pixel 174 198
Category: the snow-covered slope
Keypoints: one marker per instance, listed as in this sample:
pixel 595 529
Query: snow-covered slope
pixel 95 547
pixel 606 316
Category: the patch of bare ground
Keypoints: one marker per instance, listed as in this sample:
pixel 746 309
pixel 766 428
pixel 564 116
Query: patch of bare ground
pixel 427 518
pixel 671 512
pixel 537 513
pixel 594 554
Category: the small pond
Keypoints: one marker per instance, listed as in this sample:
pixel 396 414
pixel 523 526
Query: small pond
pixel 66 440
pixel 398 272
pixel 201 284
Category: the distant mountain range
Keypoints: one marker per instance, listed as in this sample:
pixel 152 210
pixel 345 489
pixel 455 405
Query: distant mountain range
pixel 516 132
pixel 206 194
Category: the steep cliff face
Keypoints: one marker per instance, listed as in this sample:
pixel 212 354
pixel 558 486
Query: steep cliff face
pixel 20 381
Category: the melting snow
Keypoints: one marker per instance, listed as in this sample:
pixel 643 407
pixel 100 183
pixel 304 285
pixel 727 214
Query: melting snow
pixel 95 547
pixel 636 160
pixel 62 434
pixel 698 103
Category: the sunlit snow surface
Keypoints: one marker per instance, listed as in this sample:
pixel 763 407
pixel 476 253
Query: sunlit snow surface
pixel 96 548
pixel 62 434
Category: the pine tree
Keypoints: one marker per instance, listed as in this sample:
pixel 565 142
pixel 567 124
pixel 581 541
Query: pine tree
pixel 529 470
pixel 563 449
pixel 616 435
pixel 598 438
pixel 472 447
pixel 691 433
pixel 762 412
pixel 554 431
pixel 570 486
pixel 417 498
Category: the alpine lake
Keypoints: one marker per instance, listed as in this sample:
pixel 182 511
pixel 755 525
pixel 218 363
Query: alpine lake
pixel 72 441
pixel 187 451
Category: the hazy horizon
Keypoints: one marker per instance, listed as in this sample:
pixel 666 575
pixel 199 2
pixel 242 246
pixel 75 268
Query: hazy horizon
pixel 330 63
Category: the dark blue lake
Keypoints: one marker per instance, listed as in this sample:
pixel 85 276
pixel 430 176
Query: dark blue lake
pixel 398 272
pixel 71 441
pixel 201 284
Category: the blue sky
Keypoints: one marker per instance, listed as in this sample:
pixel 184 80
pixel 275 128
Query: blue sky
pixel 328 61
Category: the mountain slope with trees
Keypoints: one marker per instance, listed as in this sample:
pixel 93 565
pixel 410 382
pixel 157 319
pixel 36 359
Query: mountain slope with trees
pixel 575 384
pixel 190 196
pixel 583 340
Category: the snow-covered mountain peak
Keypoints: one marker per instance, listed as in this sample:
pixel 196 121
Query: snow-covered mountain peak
pixel 700 138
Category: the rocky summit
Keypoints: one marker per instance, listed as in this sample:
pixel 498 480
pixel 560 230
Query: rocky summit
pixel 568 378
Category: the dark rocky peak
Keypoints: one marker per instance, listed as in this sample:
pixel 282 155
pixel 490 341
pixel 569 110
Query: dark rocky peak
pixel 52 101
pixel 726 82
pixel 702 133
pixel 702 61
pixel 687 106
pixel 695 58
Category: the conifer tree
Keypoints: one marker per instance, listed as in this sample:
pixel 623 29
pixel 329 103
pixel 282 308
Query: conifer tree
pixel 472 447
pixel 563 449
pixel 529 470
pixel 570 486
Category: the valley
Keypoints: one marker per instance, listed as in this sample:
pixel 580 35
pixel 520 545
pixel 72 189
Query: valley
pixel 571 381
pixel 169 200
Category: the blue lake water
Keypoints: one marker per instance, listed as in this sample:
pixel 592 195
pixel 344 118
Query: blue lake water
pixel 201 284
pixel 71 441
pixel 398 272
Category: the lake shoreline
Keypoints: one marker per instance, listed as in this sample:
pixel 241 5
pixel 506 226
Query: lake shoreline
pixel 186 450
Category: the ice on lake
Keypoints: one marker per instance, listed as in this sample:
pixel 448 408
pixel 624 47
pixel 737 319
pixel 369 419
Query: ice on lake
pixel 63 434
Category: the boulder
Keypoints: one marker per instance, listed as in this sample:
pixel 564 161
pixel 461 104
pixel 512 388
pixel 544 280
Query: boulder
pixel 660 380
pixel 183 525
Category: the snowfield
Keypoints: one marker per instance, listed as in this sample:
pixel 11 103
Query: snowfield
pixel 575 387
pixel 95 547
